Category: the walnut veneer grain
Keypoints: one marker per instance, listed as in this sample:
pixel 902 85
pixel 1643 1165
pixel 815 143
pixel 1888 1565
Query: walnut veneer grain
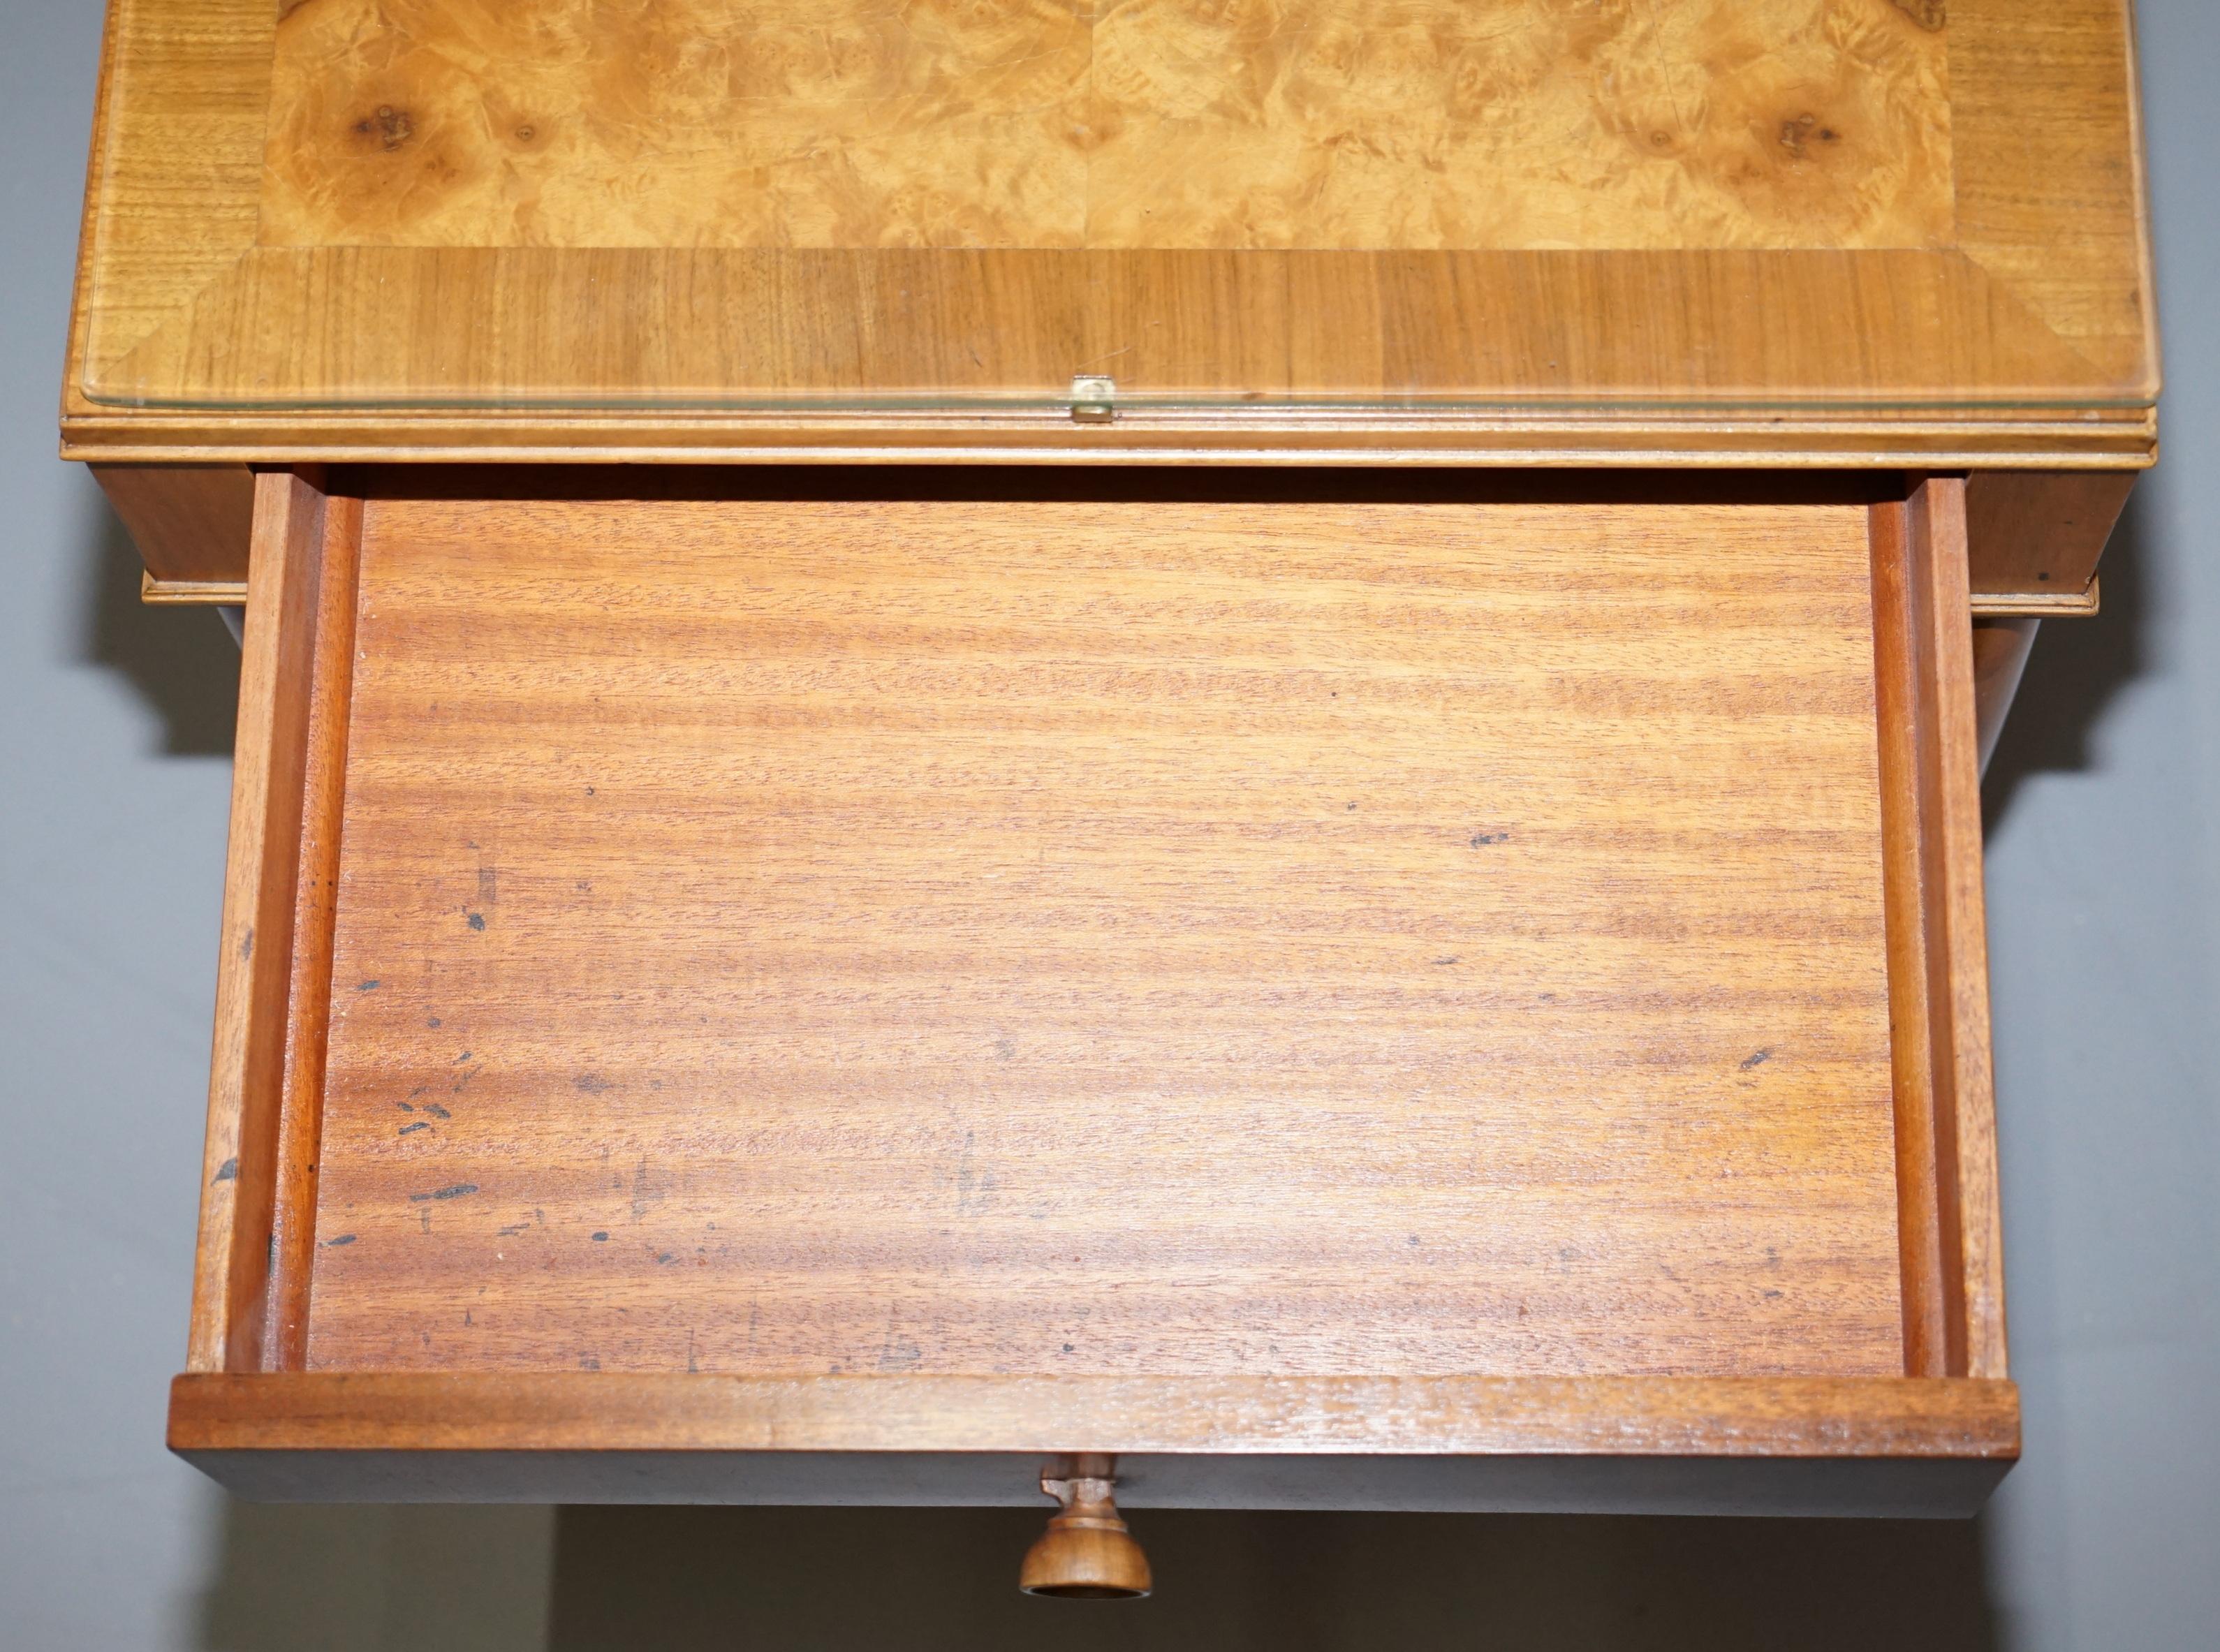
pixel 1127 124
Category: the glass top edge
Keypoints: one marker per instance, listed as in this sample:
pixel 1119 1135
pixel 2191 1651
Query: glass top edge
pixel 1061 404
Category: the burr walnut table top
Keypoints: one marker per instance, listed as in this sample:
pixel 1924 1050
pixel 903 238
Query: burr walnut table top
pixel 1836 230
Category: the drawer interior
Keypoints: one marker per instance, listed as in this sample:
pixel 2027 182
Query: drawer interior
pixel 806 937
pixel 1060 934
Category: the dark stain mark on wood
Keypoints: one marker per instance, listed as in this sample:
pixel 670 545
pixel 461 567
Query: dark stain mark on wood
pixel 406 1130
pixel 337 1240
pixel 974 1188
pixel 437 1111
pixel 1771 1295
pixel 601 1238
pixel 246 946
pixel 1758 1059
pixel 645 1194
pixel 388 128
pixel 477 920
pixel 513 1229
pixel 227 1171
pixel 590 1083
pixel 455 1192
pixel 433 1022
pixel 404 1107
pixel 413 1094
pixel 1452 958
pixel 369 986
pixel 1801 130
pixel 460 1059
pixel 1481 840
pixel 588 1362
pixel 488 890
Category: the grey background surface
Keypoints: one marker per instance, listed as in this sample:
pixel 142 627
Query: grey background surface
pixel 2105 930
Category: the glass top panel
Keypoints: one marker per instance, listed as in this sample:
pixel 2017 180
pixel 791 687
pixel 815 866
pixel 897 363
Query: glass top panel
pixel 956 203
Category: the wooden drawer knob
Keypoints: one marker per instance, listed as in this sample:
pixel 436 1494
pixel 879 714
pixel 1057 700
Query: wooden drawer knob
pixel 1086 1554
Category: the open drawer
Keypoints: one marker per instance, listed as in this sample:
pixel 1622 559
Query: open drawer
pixel 1396 1000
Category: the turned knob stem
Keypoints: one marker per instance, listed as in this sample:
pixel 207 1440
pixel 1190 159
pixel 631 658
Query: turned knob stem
pixel 1086 1554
